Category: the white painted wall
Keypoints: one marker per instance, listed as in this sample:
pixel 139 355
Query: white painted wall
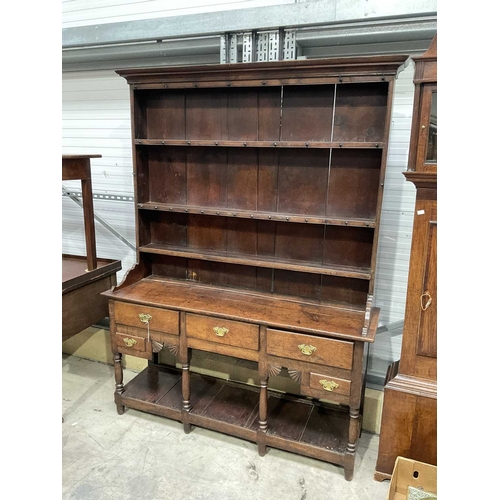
pixel 396 224
pixel 84 12
pixel 96 120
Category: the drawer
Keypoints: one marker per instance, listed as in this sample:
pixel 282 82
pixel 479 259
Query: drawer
pixel 161 320
pixel 327 387
pixel 130 342
pixel 223 331
pixel 324 351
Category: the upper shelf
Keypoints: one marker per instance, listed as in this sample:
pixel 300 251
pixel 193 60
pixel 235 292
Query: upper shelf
pixel 261 144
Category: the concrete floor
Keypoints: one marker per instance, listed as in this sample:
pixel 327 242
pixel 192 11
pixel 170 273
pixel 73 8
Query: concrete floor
pixel 145 457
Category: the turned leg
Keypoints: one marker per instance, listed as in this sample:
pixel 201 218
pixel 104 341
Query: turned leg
pixel 261 433
pixel 352 442
pixel 186 397
pixel 117 358
pixel 185 360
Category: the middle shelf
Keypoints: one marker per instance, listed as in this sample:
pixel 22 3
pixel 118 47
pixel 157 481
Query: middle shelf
pixel 258 215
pixel 341 185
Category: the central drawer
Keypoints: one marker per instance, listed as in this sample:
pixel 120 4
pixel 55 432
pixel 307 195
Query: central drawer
pixel 324 351
pixel 223 331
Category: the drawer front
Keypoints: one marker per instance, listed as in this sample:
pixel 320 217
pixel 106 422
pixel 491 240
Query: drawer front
pixel 325 386
pixel 223 331
pixel 131 342
pixel 138 316
pixel 330 352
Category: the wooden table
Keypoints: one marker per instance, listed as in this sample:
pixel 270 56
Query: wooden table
pixel 84 277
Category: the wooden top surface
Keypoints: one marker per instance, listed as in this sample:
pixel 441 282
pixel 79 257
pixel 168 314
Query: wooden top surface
pixel 271 310
pixel 75 274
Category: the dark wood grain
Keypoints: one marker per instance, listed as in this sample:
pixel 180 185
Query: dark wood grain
pixel 238 334
pixel 307 113
pixel 206 114
pixel 286 418
pixel 242 178
pixel 242 122
pixel 344 291
pixel 83 306
pixel 360 112
pixel 353 184
pixel 206 177
pixel 229 275
pixel 167 175
pixel 302 182
pixel 162 320
pixel 330 352
pixel 297 284
pixel 236 406
pixel 306 244
pixel 267 195
pixel 152 384
pixel 326 429
pixel 348 246
pixel 269 114
pixel 172 267
pixel 166 115
pixel 168 227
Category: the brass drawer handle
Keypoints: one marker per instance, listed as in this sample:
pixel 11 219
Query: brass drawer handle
pixel 328 385
pixel 307 349
pixel 220 331
pixel 130 342
pixel 145 318
pixel 428 303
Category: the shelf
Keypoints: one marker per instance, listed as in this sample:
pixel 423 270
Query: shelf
pixel 259 215
pixel 260 144
pixel 277 311
pixel 294 181
pixel 233 409
pixel 269 262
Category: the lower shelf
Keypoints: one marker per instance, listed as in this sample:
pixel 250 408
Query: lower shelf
pixel 294 424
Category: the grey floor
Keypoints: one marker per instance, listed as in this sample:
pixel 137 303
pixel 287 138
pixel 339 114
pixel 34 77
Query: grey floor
pixel 140 456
